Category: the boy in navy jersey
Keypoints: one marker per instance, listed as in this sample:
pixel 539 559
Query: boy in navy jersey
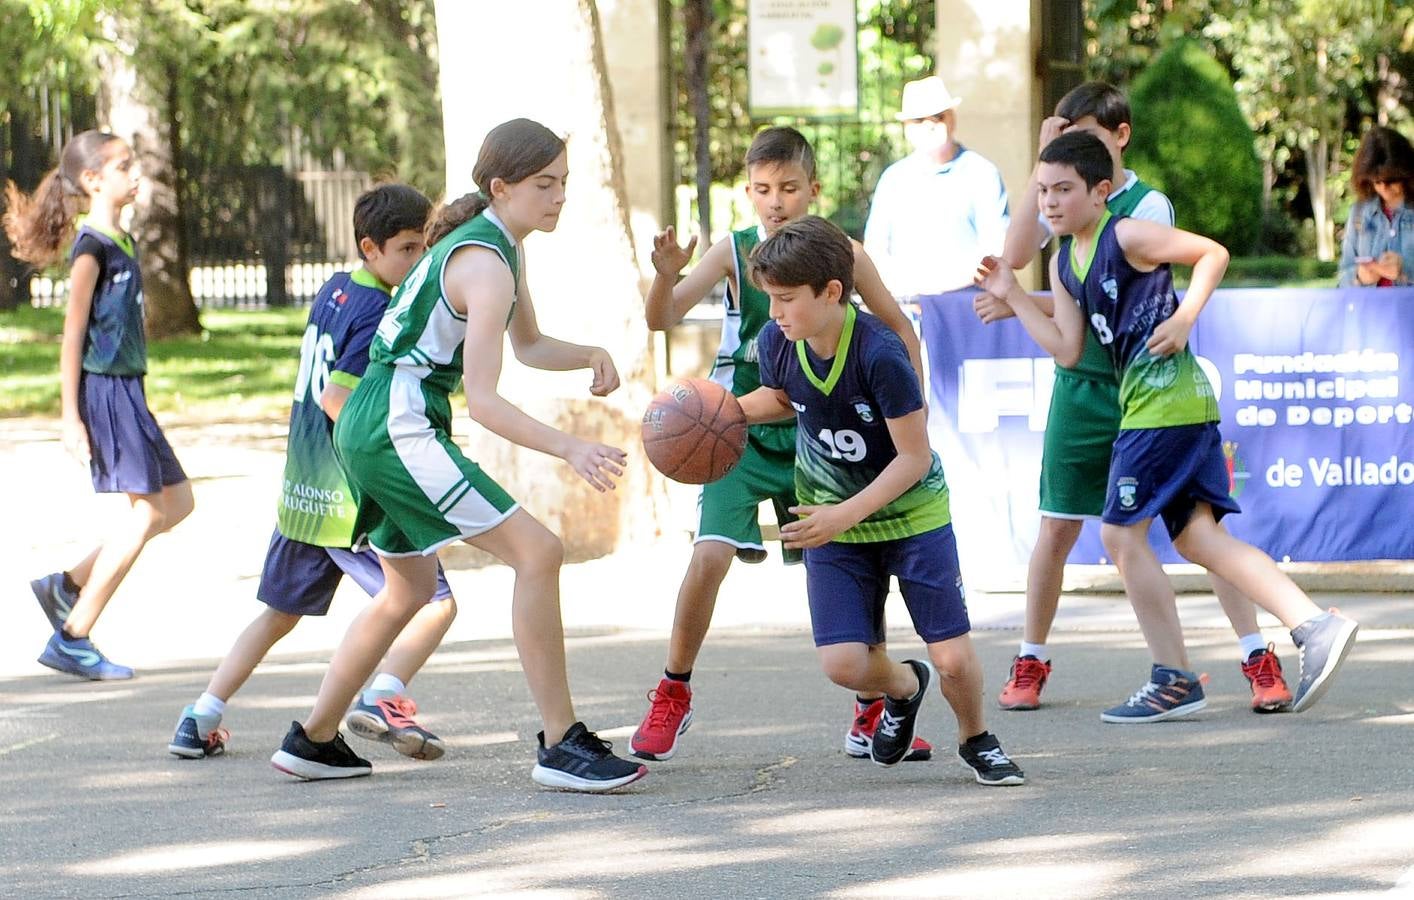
pixel 308 554
pixel 871 496
pixel 1113 272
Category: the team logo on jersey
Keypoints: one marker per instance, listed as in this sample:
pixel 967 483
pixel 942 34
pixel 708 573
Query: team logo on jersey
pixel 1111 288
pixel 1237 473
pixel 122 277
pixel 1127 488
pixel 799 407
pixel 1160 372
pixel 865 413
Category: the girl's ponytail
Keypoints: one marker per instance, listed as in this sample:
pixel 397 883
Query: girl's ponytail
pixel 450 215
pixel 41 224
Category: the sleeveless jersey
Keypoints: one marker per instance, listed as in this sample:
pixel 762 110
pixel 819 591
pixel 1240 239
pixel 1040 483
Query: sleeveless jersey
pixel 316 504
pixel 115 342
pixel 843 440
pixel 1094 361
pixel 736 368
pixel 1123 306
pixel 421 331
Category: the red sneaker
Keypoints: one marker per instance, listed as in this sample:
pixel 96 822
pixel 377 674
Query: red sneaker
pixel 669 715
pixel 1269 690
pixel 861 734
pixel 1023 686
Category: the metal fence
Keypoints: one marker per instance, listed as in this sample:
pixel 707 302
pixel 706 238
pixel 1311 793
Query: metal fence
pixel 256 235
pixel 896 46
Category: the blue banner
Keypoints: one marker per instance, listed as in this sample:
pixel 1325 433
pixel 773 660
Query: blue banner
pixel 1316 389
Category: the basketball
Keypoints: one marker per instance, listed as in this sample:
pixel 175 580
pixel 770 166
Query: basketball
pixel 694 431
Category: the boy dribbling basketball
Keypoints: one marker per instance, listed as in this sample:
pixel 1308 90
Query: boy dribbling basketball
pixel 873 503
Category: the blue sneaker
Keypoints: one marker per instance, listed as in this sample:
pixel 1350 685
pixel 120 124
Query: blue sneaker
pixel 79 657
pixel 1323 643
pixel 198 736
pixel 1169 694
pixel 53 599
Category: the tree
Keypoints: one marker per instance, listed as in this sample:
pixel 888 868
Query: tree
pixel 584 277
pixel 1192 142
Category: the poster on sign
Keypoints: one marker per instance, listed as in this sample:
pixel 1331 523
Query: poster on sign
pixel 803 58
pixel 1316 391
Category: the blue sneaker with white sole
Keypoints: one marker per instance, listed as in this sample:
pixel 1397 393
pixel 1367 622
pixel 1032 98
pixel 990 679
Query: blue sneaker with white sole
pixel 1323 643
pixel 54 600
pixel 79 657
pixel 1169 694
pixel 198 736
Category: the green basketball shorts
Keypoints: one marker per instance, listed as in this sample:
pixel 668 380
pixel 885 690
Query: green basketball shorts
pixel 727 508
pixel 415 489
pixel 1075 457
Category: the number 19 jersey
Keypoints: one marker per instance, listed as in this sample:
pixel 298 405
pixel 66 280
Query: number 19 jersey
pixel 842 438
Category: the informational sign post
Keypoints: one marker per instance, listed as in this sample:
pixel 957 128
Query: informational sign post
pixel 1316 391
pixel 803 58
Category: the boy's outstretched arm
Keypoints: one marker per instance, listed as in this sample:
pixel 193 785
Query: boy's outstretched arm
pixel 1148 245
pixel 1025 236
pixel 881 303
pixel 669 299
pixel 765 405
pixel 1062 333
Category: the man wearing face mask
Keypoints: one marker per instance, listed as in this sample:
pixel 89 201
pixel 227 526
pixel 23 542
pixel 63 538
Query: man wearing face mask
pixel 939 210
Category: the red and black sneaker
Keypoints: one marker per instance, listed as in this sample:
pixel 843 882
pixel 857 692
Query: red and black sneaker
pixel 1269 691
pixel 669 715
pixel 860 736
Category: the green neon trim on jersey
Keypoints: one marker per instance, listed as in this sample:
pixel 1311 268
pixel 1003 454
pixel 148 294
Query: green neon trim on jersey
pixel 1083 269
pixel 368 279
pixel 344 379
pixel 841 351
pixel 119 237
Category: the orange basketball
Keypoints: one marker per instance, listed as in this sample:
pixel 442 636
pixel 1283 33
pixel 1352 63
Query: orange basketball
pixel 694 431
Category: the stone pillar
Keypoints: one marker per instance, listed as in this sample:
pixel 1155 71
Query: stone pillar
pixel 987 55
pixel 584 277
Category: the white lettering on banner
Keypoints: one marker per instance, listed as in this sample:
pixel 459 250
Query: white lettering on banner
pixel 1346 471
pixel 1298 392
pixel 1010 386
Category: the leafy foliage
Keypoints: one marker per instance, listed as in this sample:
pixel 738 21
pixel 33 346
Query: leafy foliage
pixel 1192 142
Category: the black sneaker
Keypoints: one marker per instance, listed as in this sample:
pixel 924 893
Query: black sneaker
pixel 984 755
pixel 56 602
pixel 303 758
pixel 581 761
pixel 897 724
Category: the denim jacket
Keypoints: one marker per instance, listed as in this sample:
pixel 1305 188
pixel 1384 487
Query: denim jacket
pixel 1368 234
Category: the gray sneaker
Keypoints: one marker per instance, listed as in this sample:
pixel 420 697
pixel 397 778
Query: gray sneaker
pixel 53 599
pixel 1323 642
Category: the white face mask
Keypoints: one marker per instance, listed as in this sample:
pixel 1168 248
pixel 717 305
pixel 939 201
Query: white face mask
pixel 926 136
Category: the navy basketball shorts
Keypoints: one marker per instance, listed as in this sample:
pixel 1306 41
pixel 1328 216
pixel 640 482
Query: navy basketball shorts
pixel 1167 472
pixel 129 453
pixel 300 579
pixel 848 584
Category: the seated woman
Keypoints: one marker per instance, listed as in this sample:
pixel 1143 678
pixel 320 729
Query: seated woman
pixel 1379 236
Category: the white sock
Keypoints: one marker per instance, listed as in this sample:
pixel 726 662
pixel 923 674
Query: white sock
pixel 208 705
pixel 1036 650
pixel 1251 643
pixel 385 682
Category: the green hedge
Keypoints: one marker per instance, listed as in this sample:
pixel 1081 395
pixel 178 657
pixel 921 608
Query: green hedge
pixel 1192 142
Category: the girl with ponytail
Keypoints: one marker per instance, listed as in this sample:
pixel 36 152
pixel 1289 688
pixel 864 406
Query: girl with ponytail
pixel 102 362
pixel 416 490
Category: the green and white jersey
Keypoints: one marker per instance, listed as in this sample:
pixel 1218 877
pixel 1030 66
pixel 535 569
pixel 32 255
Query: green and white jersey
pixel 421 332
pixel 748 309
pixel 316 504
pixel 1134 198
